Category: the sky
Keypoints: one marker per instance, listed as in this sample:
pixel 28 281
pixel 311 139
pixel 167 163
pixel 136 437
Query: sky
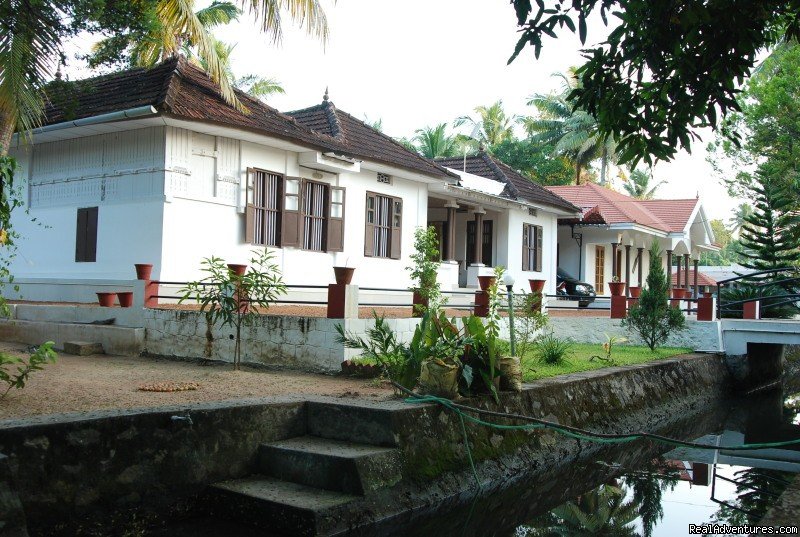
pixel 423 62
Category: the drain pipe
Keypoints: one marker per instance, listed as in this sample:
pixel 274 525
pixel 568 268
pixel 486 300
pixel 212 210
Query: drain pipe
pixel 130 113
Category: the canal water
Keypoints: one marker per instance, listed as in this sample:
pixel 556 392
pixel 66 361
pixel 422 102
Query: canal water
pixel 641 488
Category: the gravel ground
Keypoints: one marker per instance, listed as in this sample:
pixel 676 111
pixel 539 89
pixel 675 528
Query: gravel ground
pixel 83 383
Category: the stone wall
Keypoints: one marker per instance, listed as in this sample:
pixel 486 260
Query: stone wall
pixel 698 335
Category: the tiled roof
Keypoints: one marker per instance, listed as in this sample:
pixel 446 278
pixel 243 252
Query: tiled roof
pixel 363 141
pixel 702 279
pixel 178 89
pixel 517 185
pixel 670 216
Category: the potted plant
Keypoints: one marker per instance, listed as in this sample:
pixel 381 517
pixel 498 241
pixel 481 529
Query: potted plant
pixel 106 299
pixel 617 287
pixel 537 285
pixel 635 291
pixel 125 298
pixel 143 271
pixel 427 296
pixel 486 281
pixel 343 275
pixel 237 269
pixel 677 292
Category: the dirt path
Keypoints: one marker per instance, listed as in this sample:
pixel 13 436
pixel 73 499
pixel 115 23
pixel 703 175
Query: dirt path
pixel 82 383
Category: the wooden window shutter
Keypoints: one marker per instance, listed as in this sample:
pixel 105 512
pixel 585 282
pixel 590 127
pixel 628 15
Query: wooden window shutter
pixel 370 214
pixel 525 247
pixel 250 210
pixel 335 239
pixel 397 227
pixel 86 235
pixel 291 214
pixel 538 248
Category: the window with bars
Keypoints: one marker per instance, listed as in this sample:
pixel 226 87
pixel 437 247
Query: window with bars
pixel 532 247
pixel 291 211
pixel 266 202
pixel 314 198
pixel 384 220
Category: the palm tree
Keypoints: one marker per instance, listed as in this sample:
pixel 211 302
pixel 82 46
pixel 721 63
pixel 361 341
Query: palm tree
pixel 637 185
pixel 743 211
pixel 32 36
pixel 433 142
pixel 572 132
pixel 492 126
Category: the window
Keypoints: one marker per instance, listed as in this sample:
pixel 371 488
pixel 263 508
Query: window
pixel 532 242
pixel 599 269
pixel 290 211
pixel 266 198
pixel 383 224
pixel 86 236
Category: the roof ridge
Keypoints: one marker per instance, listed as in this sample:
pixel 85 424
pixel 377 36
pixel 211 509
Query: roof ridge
pixel 499 173
pixel 168 91
pixel 333 119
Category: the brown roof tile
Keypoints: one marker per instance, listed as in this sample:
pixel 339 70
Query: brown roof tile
pixel 362 140
pixel 517 185
pixel 664 215
pixel 702 279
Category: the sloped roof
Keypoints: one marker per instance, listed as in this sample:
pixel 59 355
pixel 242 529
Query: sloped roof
pixel 702 279
pixel 517 185
pixel 670 216
pixel 361 140
pixel 175 88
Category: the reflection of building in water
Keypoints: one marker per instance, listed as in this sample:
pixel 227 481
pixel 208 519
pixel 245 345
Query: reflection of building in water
pixel 696 473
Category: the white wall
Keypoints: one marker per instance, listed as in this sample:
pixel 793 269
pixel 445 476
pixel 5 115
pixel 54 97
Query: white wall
pixel 513 254
pixel 120 173
pixel 200 222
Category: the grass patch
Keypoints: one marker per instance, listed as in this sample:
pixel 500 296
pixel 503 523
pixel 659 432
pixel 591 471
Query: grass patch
pixel 579 359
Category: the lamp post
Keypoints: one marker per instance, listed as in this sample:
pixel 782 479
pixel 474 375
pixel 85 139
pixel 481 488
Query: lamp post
pixel 509 281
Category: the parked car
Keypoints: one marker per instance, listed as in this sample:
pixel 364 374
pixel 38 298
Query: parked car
pixel 573 289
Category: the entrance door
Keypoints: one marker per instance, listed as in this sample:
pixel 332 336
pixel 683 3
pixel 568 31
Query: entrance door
pixel 487 240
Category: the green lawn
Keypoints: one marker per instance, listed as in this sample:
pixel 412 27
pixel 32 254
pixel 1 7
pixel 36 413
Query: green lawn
pixel 582 352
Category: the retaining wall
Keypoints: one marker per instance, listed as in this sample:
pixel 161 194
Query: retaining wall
pixel 72 468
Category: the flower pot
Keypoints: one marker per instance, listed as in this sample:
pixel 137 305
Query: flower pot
pixel 238 270
pixel 419 300
pixel 537 285
pixel 485 282
pixel 439 378
pixel 143 271
pixel 635 291
pixel 106 299
pixel 344 275
pixel 617 288
pixel 708 295
pixel 125 298
pixel 510 373
pixel 677 292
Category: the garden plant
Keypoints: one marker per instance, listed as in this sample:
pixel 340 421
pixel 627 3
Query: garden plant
pixel 424 270
pixel 43 355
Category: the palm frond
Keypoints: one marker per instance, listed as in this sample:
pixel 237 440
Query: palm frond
pixel 217 14
pixel 304 12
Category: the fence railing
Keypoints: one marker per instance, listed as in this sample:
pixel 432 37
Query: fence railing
pixel 763 286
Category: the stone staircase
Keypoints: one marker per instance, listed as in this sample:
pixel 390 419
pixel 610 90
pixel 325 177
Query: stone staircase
pixel 304 485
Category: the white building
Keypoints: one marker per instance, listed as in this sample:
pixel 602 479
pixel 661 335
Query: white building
pixel 152 166
pixel 612 236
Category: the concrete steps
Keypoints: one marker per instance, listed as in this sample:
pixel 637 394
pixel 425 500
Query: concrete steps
pixel 305 485
pixel 276 505
pixel 331 464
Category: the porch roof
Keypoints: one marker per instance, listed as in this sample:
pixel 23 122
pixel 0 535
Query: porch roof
pixel 517 186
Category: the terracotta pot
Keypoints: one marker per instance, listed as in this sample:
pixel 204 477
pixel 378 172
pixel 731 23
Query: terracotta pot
pixel 344 275
pixel 238 270
pixel 537 285
pixel 677 292
pixel 708 295
pixel 418 300
pixel 635 291
pixel 106 299
pixel 125 298
pixel 485 282
pixel 617 288
pixel 143 271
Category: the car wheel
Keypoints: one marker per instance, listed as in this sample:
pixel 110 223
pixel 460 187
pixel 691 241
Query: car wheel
pixel 583 304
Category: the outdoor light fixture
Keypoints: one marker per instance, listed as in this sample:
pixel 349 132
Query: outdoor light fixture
pixel 508 279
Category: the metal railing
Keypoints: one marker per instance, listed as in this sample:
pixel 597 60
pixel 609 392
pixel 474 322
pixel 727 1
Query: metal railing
pixel 766 301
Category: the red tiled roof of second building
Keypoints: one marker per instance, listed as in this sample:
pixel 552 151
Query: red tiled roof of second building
pixel 702 279
pixel 670 216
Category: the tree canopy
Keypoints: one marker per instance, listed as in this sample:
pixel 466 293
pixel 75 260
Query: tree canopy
pixel 666 68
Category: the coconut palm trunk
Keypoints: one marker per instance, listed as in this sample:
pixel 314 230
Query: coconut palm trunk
pixel 6 132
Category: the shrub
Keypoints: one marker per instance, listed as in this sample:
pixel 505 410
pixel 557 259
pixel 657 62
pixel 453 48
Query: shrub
pixel 552 350
pixel 529 321
pixel 425 269
pixel 44 354
pixel 774 303
pixel 651 317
